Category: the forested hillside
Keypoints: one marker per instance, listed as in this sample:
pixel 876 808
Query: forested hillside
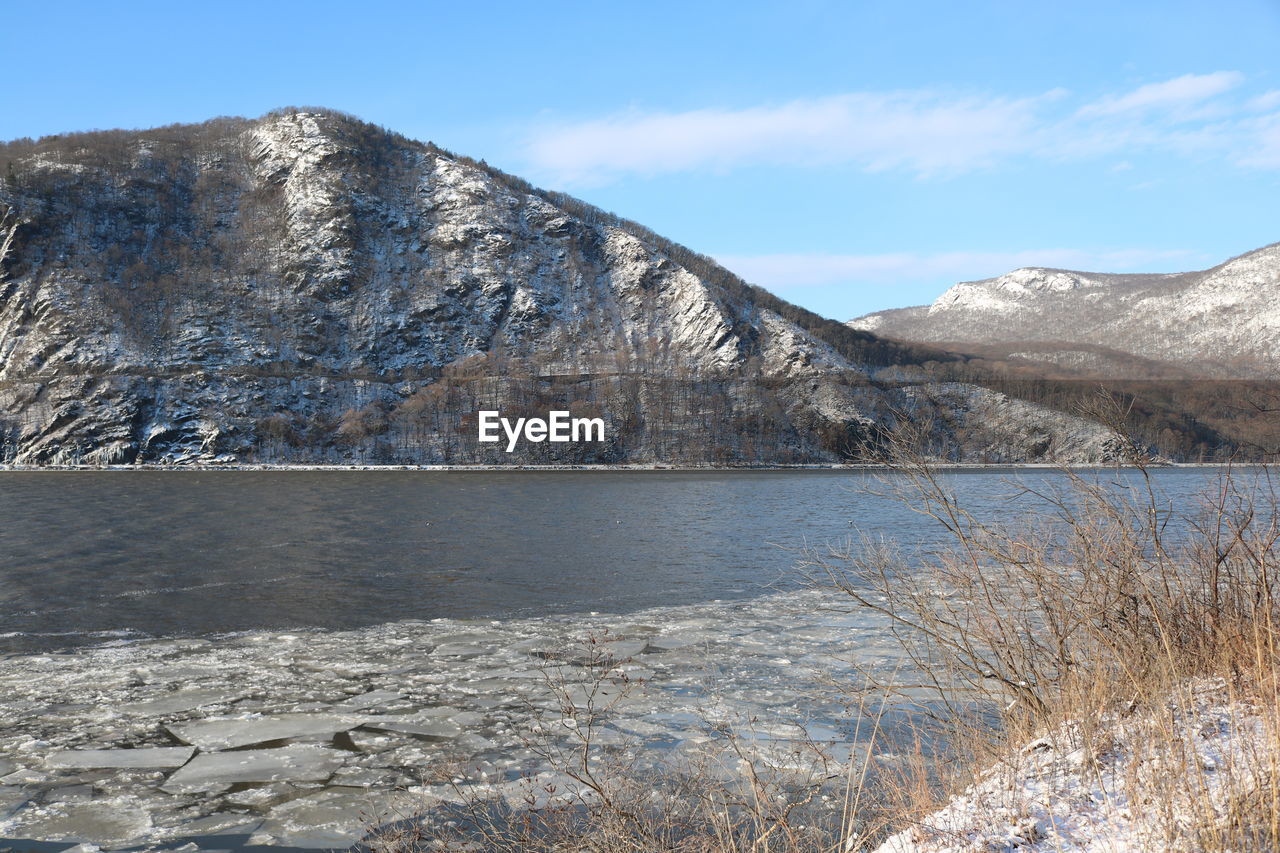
pixel 307 287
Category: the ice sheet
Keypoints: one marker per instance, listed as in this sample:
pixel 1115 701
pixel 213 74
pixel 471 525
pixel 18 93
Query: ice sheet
pixel 283 733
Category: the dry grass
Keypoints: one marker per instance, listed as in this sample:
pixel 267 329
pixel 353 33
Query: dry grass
pixel 1099 608
pixel 1089 627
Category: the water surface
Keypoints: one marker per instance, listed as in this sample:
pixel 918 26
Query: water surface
pixel 85 555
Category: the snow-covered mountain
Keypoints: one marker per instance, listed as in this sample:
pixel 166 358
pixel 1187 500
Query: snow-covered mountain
pixel 1221 322
pixel 308 287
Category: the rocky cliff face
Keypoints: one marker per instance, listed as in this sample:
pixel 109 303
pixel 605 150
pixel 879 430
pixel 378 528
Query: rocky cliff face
pixel 309 288
pixel 1218 323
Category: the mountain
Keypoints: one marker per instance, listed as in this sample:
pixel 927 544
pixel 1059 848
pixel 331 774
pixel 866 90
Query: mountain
pixel 306 287
pixel 1220 323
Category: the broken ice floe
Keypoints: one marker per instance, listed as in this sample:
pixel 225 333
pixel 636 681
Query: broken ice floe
pixel 219 770
pixel 229 733
pixel 159 757
pixel 309 738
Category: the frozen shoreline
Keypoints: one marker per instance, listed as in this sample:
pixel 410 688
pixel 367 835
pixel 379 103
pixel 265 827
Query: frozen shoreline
pixel 287 737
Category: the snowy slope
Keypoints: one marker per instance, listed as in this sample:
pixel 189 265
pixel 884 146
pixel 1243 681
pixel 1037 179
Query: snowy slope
pixel 1163 779
pixel 1221 322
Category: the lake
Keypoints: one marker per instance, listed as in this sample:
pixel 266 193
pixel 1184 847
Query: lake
pixel 248 657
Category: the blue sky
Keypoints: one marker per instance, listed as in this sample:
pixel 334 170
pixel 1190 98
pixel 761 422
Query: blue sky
pixel 849 156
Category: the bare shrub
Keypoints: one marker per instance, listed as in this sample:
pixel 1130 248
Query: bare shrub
pixel 1094 602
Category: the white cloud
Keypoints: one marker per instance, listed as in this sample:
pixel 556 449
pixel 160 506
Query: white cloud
pixel 782 272
pixel 1265 150
pixel 924 133
pixel 1178 92
pixel 921 132
pixel 1266 101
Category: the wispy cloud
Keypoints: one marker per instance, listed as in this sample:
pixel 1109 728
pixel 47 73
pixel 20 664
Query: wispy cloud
pixel 1266 101
pixel 1178 92
pixel 783 272
pixel 1265 151
pixel 920 132
pixel 925 133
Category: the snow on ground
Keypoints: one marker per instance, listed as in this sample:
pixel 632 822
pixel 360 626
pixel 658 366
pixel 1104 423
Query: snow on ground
pixel 1143 781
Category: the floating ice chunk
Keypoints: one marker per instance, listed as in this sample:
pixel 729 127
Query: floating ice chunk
pixel 298 763
pixel 821 733
pixel 476 744
pixel 465 651
pixel 181 673
pixel 622 649
pixel 221 824
pixel 262 796
pixel 327 819
pixel 369 700
pixel 540 646
pixel 428 726
pixel 160 757
pixel 25 776
pixel 232 732
pixel 319 838
pixel 102 822
pixel 371 742
pixel 500 686
pixel 361 777
pixel 12 799
pixel 671 642
pixel 471 637
pixel 70 794
pixel 186 700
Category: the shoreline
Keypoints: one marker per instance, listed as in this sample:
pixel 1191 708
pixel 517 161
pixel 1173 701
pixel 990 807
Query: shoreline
pixel 636 467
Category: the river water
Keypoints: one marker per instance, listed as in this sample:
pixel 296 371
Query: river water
pixel 271 657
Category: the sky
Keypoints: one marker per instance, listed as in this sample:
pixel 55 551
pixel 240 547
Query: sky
pixel 849 156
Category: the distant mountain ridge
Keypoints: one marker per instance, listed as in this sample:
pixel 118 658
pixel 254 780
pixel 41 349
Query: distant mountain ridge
pixel 306 287
pixel 1222 322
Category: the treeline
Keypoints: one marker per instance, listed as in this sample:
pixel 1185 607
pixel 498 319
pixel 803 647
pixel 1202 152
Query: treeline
pixel 647 419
